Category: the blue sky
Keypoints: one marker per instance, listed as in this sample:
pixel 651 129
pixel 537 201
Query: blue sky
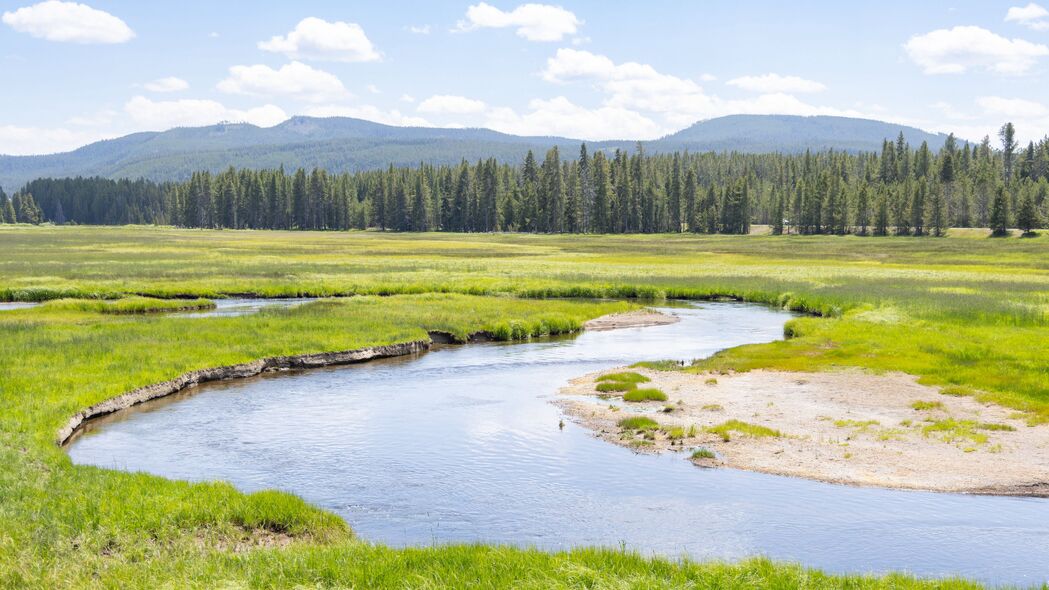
pixel 73 73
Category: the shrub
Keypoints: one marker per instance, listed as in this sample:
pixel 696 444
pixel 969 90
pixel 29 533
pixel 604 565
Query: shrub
pixel 703 454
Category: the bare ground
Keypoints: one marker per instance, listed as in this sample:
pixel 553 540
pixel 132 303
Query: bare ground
pixel 637 318
pixel 847 427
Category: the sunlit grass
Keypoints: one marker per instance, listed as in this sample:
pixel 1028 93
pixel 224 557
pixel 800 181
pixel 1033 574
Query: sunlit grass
pixel 969 315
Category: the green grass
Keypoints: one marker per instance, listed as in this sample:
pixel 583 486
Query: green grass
pixel 725 430
pixel 922 406
pixel 648 394
pixel 610 386
pixel 624 377
pixel 703 454
pixel 968 315
pixel 638 423
pixel 129 305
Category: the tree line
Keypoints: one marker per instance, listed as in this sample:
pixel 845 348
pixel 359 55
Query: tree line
pixel 900 190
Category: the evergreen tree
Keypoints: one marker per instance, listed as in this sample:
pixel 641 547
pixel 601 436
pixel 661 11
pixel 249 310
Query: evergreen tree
pixel 863 210
pixel 1007 135
pixel 881 217
pixel 1027 215
pixel 1000 214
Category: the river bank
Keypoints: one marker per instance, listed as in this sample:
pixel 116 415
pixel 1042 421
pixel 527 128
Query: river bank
pixel 849 427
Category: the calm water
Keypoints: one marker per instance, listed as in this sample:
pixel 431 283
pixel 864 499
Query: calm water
pixel 461 444
pixel 9 305
pixel 235 307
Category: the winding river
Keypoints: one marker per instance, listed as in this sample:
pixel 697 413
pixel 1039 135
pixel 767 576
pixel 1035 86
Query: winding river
pixel 461 444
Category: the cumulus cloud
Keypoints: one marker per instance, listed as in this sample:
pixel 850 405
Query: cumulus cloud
pixel 419 29
pixel 559 116
pixel 367 112
pixel 318 39
pixel 1032 16
pixel 1013 108
pixel 161 115
pixel 956 50
pixel 447 104
pixel 296 80
pixel 672 101
pixel 534 22
pixel 769 83
pixel 68 22
pixel 24 141
pixel 169 84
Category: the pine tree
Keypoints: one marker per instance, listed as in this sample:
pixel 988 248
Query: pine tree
pixel 863 210
pixel 1007 135
pixel 420 205
pixel 1027 214
pixel 1000 214
pixel 691 200
pixel 881 217
pixel 937 214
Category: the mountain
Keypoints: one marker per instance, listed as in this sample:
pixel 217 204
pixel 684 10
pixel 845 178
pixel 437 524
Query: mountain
pixel 345 144
pixel 789 133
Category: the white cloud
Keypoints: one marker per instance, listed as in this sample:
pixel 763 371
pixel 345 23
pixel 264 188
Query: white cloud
pixel 1015 108
pixel 707 77
pixel 447 104
pixel 169 84
pixel 367 112
pixel 407 98
pixel 373 89
pixel 68 22
pixel 770 83
pixel 559 116
pixel 1031 16
pixel 954 51
pixel 534 22
pixel 677 102
pixel 318 39
pixel 296 80
pixel 161 115
pixel 24 141
pixel 419 29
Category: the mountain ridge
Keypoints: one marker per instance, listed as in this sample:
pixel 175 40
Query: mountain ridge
pixel 348 144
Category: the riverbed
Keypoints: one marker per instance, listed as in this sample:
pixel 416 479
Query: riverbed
pixel 462 444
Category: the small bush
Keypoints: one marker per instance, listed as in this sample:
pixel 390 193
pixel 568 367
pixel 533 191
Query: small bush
pixel 645 395
pixel 676 433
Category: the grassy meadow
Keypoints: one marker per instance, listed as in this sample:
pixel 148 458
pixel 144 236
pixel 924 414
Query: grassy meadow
pixel 965 312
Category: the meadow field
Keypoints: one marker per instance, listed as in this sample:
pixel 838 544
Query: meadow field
pixel 964 312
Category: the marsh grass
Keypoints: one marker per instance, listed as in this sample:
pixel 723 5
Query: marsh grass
pixel 702 453
pixel 128 305
pixel 638 423
pixel 922 406
pixel 648 394
pixel 611 386
pixel 968 315
pixel 725 430
pixel 624 377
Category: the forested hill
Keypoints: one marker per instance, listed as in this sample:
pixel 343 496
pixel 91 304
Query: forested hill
pixel 791 134
pixel 342 144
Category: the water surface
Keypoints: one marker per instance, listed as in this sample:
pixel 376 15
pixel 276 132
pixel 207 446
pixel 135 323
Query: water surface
pixel 462 444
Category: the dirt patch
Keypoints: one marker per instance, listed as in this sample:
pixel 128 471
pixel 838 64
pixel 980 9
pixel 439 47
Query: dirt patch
pixel 637 318
pixel 846 427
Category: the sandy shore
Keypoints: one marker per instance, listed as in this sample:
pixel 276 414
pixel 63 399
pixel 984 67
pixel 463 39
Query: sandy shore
pixel 846 427
pixel 637 318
